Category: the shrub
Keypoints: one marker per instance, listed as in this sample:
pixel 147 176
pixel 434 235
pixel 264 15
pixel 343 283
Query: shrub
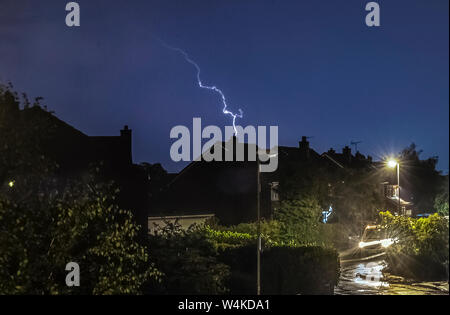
pixel 188 261
pixel 288 266
pixel 43 228
pixel 300 220
pixel 270 230
pixel 203 260
pixel 335 235
pixel 422 249
pixel 284 269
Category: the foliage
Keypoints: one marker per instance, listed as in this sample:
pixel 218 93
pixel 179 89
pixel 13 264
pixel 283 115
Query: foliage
pixel 20 141
pixel 420 177
pixel 357 199
pixel 43 228
pixel 422 247
pixel 300 220
pixel 213 260
pixel 230 238
pixel 270 232
pixel 353 192
pixel 441 200
pixel 188 261
pixel 284 269
pixel 335 235
pixel 300 230
pixel 287 266
pixel 305 270
pixel 47 221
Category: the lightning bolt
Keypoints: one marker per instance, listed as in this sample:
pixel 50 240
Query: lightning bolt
pixel 211 88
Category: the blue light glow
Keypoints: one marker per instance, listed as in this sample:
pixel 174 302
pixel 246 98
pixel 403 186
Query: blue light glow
pixel 326 214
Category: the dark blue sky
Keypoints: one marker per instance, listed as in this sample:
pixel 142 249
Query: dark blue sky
pixel 311 67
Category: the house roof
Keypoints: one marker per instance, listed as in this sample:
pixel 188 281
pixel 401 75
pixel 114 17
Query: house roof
pixel 73 149
pixel 224 148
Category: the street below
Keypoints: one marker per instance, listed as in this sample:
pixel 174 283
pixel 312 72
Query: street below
pixel 365 277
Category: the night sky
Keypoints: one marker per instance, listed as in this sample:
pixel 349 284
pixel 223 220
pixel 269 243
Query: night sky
pixel 311 67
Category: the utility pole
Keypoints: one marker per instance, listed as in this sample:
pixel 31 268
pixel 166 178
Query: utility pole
pixel 393 163
pixel 258 245
pixel 398 183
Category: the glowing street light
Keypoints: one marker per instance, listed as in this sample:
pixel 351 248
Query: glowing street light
pixel 392 164
pixel 11 184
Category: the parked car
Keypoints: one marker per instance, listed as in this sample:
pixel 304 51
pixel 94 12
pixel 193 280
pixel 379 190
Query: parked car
pixel 374 240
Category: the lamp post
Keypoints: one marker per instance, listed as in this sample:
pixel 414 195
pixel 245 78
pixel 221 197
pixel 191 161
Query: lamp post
pixel 258 245
pixel 392 164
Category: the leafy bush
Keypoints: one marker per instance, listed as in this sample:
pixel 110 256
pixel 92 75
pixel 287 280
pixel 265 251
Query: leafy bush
pixel 300 220
pixel 297 222
pixel 284 269
pixel 335 235
pixel 204 260
pixel 48 219
pixel 422 249
pixel 188 261
pixel 287 267
pixel 273 232
pixel 229 238
pixel 42 228
pixel 441 201
pixel 270 231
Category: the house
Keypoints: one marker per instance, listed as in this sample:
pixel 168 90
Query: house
pixel 228 189
pixel 76 152
pixel 392 204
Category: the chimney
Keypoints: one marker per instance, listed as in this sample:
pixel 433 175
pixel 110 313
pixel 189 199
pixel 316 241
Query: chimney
pixel 304 148
pixel 347 153
pixel 125 136
pixel 331 151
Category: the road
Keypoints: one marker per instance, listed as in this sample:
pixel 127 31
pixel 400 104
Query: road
pixel 364 277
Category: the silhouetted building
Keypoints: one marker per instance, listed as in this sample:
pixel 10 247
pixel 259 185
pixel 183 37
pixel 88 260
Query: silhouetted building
pixel 76 153
pixel 406 205
pixel 227 189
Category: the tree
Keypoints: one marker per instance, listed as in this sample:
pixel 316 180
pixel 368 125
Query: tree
pixel 441 200
pixel 47 221
pixel 358 198
pixel 353 192
pixel 42 228
pixel 300 219
pixel 420 177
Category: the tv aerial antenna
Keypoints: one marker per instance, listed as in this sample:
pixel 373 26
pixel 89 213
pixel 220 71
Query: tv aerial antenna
pixel 355 144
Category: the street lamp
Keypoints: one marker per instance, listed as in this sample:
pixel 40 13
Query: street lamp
pixel 392 164
pixel 258 244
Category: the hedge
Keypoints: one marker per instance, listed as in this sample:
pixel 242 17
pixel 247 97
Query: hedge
pixel 284 269
pixel 225 261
